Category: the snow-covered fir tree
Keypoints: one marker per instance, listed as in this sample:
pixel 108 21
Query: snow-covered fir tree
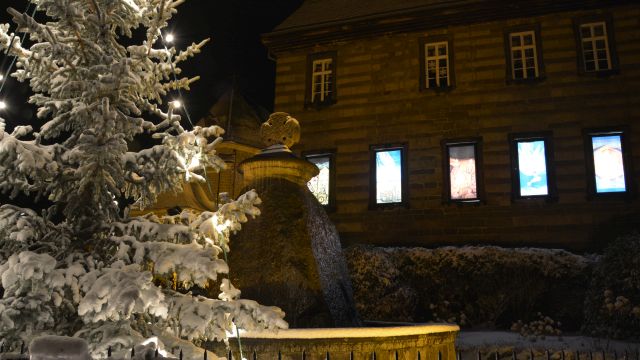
pixel 95 273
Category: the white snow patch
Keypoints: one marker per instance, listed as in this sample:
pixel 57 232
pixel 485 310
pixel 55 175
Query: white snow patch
pixel 58 347
pixel 489 341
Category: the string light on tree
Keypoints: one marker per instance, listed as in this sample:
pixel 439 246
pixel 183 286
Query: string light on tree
pixel 3 105
pixel 176 104
pixel 169 38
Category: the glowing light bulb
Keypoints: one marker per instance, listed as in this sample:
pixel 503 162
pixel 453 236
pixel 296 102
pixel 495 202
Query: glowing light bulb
pixel 1 77
pixel 3 105
pixel 176 104
pixel 169 38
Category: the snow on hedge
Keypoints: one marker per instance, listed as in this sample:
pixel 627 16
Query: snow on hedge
pixel 474 286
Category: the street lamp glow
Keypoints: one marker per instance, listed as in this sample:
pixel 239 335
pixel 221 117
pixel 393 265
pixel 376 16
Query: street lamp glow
pixel 1 77
pixel 169 38
pixel 3 105
pixel 176 104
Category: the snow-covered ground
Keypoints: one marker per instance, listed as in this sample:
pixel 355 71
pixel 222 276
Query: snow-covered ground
pixel 487 342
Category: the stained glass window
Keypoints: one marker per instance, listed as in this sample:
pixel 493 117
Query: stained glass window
pixel 319 184
pixel 388 176
pixel 532 167
pixel 608 163
pixel 462 172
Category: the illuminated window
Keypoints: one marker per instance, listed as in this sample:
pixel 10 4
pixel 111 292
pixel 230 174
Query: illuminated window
pixel 321 185
pixel 462 178
pixel 606 162
pixel 596 46
pixel 523 55
pixel 388 175
pixel 436 63
pixel 321 79
pixel 532 170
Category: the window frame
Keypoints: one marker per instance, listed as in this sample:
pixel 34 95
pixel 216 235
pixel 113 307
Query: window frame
pixel 373 150
pixel 446 188
pixel 435 39
pixel 331 98
pixel 607 20
pixel 552 186
pixel 535 29
pixel 331 154
pixel 624 132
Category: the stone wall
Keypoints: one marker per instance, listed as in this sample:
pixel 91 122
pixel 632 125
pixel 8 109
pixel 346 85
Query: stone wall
pixel 430 342
pixel 379 101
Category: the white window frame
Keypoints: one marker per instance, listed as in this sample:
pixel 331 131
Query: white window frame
pixel 321 77
pixel 593 39
pixel 523 58
pixel 437 59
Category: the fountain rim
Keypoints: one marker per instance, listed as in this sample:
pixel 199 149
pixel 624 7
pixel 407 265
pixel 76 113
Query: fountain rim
pixel 352 332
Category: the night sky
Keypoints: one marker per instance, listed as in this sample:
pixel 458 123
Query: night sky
pixel 235 52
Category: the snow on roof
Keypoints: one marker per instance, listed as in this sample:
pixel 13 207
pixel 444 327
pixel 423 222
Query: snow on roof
pixel 322 12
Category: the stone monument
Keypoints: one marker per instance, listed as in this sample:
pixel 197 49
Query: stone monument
pixel 290 256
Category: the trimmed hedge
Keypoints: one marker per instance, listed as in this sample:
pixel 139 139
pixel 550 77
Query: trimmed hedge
pixel 476 287
pixel 612 304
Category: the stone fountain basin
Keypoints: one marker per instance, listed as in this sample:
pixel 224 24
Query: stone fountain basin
pixel 425 342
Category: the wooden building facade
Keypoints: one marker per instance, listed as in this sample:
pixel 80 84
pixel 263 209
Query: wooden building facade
pixel 474 100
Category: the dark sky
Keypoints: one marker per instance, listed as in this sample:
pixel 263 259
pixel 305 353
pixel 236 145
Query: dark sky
pixel 235 51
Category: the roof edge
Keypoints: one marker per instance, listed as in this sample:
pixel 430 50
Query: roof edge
pixel 422 18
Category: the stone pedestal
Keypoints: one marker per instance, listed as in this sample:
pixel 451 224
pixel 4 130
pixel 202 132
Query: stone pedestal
pixel 290 256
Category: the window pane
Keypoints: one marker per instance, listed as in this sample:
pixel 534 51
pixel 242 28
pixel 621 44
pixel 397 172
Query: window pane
pixel 588 55
pixel 319 185
pixel 389 176
pixel 517 64
pixel 530 63
pixel 528 39
pixel 608 163
pixel 602 55
pixel 462 172
pixel 528 53
pixel 515 40
pixel 598 30
pixel 431 51
pixel 585 31
pixel 532 168
pixel 603 64
pixel 442 49
pixel 531 73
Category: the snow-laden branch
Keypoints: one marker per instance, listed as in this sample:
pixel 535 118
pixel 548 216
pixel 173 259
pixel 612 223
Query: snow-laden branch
pixel 26 165
pixel 84 267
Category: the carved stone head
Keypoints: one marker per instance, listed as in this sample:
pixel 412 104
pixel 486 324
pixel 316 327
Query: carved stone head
pixel 280 129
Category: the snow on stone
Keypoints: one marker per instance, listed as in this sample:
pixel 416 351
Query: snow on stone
pixel 58 347
pixel 486 341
